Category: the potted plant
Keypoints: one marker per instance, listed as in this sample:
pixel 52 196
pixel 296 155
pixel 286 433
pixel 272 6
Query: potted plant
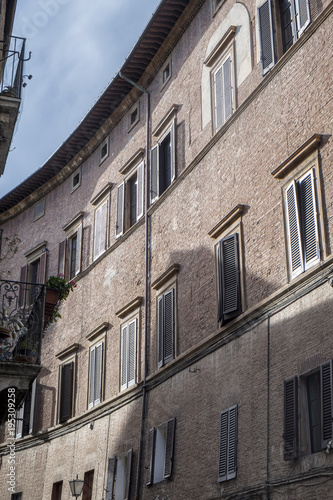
pixel 27 351
pixel 57 290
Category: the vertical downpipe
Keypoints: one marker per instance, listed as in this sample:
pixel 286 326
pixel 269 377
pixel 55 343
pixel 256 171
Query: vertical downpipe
pixel 268 408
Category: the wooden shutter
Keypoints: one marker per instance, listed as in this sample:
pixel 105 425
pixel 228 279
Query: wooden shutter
pixel 154 173
pixel 326 402
pixel 124 357
pixel 19 422
pixel 150 456
pixel 169 445
pixel 309 220
pixel 26 414
pixel 111 476
pixel 42 268
pixel 100 230
pixel 131 353
pixel 160 330
pixel 62 258
pixel 266 36
pixel 78 249
pixel 23 287
pixel 218 85
pixel 230 279
pixel 128 474
pixel 228 444
pixel 173 150
pixel 32 407
pixel 294 230
pixel 120 210
pixel 227 88
pixel 140 190
pixel 302 15
pixel 291 418
pixel 98 373
pixel 66 391
pixel 91 378
pixel 168 325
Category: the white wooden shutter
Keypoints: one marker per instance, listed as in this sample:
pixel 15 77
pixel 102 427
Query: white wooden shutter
pixel 91 378
pixel 78 249
pixel 218 86
pixel 302 15
pixel 98 373
pixel 120 210
pixel 169 326
pixel 110 478
pixel 62 258
pixel 140 190
pixel 169 445
pixel 227 88
pixel 309 218
pixel 100 229
pixel 131 353
pixel 294 230
pixel 124 356
pixel 266 36
pixel 173 150
pixel 154 174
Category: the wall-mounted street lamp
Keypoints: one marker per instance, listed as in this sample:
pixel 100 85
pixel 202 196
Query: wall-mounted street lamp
pixel 76 486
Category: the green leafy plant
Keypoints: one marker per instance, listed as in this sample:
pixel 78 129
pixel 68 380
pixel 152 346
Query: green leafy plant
pixel 64 287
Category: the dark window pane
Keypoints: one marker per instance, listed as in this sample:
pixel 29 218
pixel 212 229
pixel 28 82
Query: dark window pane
pixel 133 183
pixel 313 389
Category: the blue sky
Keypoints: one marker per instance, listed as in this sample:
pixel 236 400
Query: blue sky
pixel 77 48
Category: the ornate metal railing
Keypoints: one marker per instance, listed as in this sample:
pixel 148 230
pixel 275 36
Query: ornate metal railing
pixel 21 321
pixel 11 66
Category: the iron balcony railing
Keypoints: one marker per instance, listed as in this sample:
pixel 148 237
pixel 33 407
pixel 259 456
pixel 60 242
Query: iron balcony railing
pixel 11 66
pixel 21 321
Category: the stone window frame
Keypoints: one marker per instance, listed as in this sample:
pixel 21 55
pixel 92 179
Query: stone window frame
pixel 66 357
pixel 103 150
pixel 78 172
pixel 39 209
pixel 102 198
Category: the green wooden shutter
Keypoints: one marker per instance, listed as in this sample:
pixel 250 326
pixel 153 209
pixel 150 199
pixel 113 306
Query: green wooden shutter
pixel 266 36
pixel 326 402
pixel 150 457
pixel 294 230
pixel 291 418
pixel 169 446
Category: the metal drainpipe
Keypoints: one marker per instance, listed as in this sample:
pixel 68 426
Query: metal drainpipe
pixel 268 407
pixel 144 389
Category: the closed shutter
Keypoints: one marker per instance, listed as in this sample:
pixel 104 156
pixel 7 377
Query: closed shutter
pixel 169 446
pixel 160 330
pixel 229 255
pixel 111 476
pixel 168 326
pixel 42 268
pixel 302 15
pixel 23 286
pixel 124 356
pixel 62 258
pixel 128 474
pixel 120 210
pixel 220 284
pixel 291 418
pixel 227 88
pixel 309 219
pixel 98 374
pixel 266 36
pixel 140 186
pixel 66 391
pixel 100 230
pixel 91 378
pixel 78 249
pixel 326 402
pixel 218 85
pixel 228 444
pixel 294 230
pixel 154 174
pixel 131 353
pixel 173 150
pixel 150 456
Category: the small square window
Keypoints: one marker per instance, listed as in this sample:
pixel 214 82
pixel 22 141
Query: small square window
pixel 76 179
pixel 166 72
pixel 39 209
pixel 104 151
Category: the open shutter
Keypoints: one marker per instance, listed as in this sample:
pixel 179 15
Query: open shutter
pixel 228 444
pixel 128 474
pixel 220 284
pixel 42 268
pixel 150 456
pixel 326 402
pixel 98 374
pixel 78 249
pixel 110 480
pixel 227 88
pixel 160 330
pixel 140 186
pixel 169 445
pixel 291 418
pixel 32 407
pixel 131 353
pixel 173 150
pixel 62 258
pixel 154 173
pixel 218 85
pixel 91 378
pixel 26 414
pixel 100 232
pixel 168 326
pixel 19 422
pixel 294 230
pixel 302 15
pixel 120 210
pixel 230 276
pixel 266 36
pixel 23 287
pixel 66 391
pixel 124 356
pixel 309 220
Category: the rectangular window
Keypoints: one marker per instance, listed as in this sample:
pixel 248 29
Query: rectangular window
pixel 302 224
pixel 88 485
pixel 119 477
pixel 103 150
pixel 101 229
pixel 228 265
pixel 33 273
pixel 166 327
pixel 70 250
pixel 66 388
pixel 160 452
pixel 163 164
pixel 39 209
pixel 76 179
pixel 25 415
pixel 56 490
pixel 128 354
pixel 223 90
pixel 17 496
pixel 228 444
pixel 130 200
pixel 95 375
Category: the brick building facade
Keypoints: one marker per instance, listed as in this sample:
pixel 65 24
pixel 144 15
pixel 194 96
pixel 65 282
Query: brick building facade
pixel 192 208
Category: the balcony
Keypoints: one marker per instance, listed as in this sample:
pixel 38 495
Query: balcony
pixel 21 326
pixel 11 75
